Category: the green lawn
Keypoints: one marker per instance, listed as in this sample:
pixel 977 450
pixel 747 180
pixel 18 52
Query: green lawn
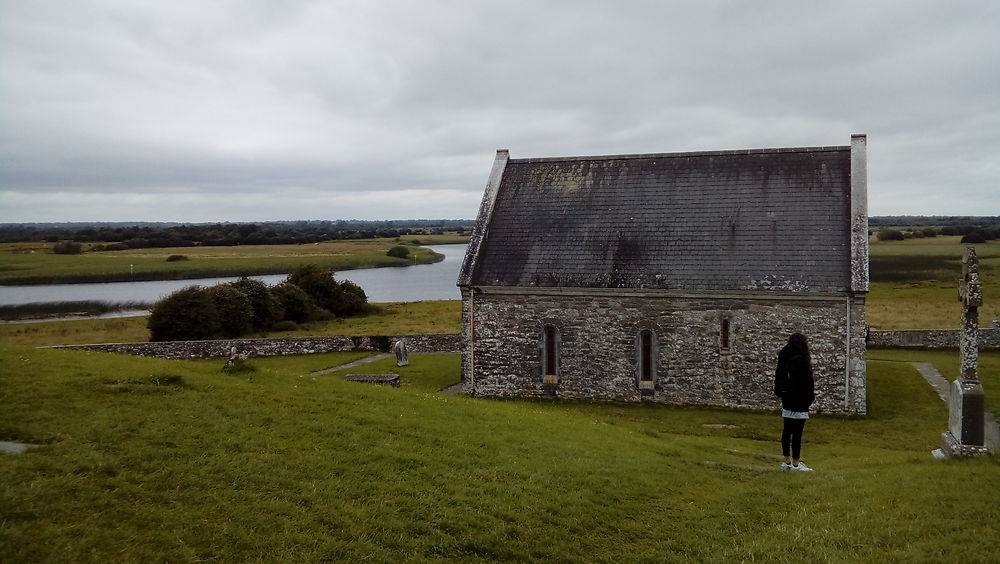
pixel 147 460
pixel 34 263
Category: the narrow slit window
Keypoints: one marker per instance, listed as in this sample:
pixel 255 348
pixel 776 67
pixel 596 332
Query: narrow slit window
pixel 724 340
pixel 646 355
pixel 550 358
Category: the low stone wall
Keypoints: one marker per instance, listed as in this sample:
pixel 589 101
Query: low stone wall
pixel 989 338
pixel 277 347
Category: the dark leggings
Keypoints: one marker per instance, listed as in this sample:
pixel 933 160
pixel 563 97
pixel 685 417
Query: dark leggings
pixel 792 433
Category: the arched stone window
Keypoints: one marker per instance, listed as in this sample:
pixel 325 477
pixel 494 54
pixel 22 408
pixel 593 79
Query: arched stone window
pixel 647 351
pixel 550 354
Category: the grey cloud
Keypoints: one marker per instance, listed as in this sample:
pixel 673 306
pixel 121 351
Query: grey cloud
pixel 177 107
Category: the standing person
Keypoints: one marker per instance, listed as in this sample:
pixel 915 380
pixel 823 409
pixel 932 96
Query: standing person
pixel 793 383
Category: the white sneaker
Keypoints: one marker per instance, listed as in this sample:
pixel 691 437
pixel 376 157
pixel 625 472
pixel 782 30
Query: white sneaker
pixel 786 466
pixel 801 467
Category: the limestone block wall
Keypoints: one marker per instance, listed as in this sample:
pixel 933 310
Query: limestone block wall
pixel 277 347
pixel 598 350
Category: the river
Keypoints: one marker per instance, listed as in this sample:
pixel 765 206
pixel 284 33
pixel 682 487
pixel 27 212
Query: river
pixel 419 282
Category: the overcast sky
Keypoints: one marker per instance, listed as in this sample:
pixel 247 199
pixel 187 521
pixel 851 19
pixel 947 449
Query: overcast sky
pixel 226 110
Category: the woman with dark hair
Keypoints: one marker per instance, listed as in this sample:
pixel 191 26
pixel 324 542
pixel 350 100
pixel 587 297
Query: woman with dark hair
pixel 793 383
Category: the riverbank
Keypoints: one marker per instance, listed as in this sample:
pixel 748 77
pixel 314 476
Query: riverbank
pixel 64 310
pixel 35 264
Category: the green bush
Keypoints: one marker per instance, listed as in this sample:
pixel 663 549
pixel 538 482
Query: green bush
pixel 350 299
pixel 398 251
pixel 890 235
pixel 316 281
pixel 234 309
pixel 338 298
pixel 187 314
pixel 296 305
pixel 974 237
pixel 175 258
pixel 67 248
pixel 267 309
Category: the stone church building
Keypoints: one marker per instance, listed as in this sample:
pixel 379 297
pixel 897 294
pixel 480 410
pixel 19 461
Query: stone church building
pixel 670 277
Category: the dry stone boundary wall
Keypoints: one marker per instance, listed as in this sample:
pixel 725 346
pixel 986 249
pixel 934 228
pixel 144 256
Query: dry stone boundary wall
pixel 989 339
pixel 277 347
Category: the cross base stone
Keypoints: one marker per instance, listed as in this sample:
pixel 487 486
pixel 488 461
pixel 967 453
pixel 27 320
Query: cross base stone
pixel 966 412
pixel 966 429
pixel 951 447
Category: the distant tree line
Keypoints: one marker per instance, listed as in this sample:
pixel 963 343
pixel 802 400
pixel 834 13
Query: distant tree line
pixel 230 310
pixel 964 222
pixel 969 233
pixel 116 236
pixel 973 229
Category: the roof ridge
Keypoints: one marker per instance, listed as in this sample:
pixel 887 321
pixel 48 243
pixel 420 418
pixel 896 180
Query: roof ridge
pixel 831 148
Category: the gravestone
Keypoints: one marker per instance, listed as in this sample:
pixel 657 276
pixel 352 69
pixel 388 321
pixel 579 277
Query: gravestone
pixel 402 357
pixel 966 429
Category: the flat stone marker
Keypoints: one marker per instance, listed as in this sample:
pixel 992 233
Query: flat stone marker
pixel 384 379
pixel 14 448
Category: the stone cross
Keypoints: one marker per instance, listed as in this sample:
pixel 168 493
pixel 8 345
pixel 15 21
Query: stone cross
pixel 966 421
pixel 970 292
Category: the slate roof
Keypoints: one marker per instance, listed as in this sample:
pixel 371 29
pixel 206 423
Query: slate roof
pixel 757 220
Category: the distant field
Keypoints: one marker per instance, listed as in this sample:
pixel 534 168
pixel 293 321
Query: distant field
pixel 34 263
pixel 915 283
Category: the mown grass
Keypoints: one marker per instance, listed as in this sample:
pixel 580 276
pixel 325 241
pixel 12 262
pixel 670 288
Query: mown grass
pixel 915 283
pixel 22 266
pixel 399 318
pixel 405 318
pixel 279 465
pixel 947 362
pixel 76 331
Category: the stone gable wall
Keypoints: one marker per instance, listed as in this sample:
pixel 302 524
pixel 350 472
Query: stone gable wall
pixel 598 350
pixel 277 347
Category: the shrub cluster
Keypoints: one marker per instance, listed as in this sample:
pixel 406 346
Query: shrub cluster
pixel 245 306
pixel 67 248
pixel 890 235
pixel 398 251
pixel 971 233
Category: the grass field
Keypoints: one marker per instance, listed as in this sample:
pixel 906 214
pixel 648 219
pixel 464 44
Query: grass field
pixel 34 263
pixel 914 283
pixel 411 318
pixel 147 460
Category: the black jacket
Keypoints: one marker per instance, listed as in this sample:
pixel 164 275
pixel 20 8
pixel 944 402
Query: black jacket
pixel 793 381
